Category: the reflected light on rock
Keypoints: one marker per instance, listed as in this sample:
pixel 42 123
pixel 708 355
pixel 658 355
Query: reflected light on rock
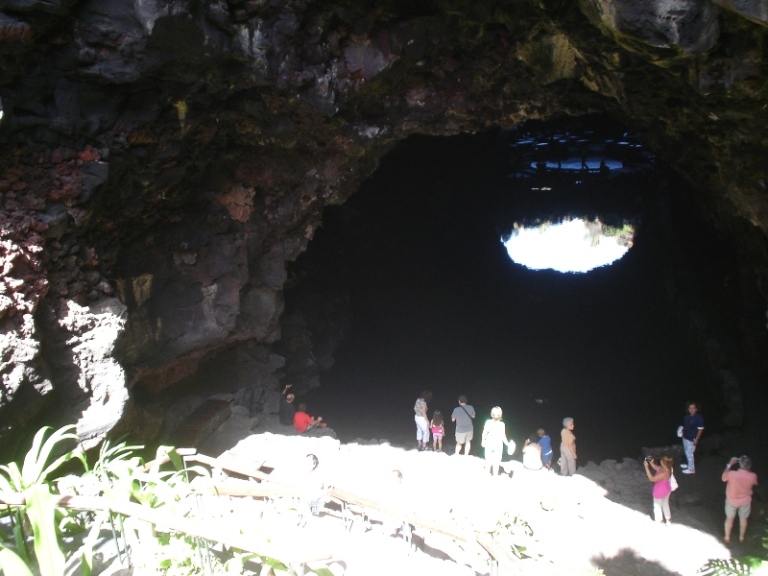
pixel 569 246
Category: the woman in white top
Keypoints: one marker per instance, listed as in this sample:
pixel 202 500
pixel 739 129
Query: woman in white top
pixel 422 422
pixel 494 438
pixel 532 453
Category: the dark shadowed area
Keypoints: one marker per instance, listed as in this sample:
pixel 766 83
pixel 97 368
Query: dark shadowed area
pixel 438 304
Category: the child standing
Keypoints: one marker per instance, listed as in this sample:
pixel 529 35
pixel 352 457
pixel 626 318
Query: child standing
pixel 438 431
pixel 546 448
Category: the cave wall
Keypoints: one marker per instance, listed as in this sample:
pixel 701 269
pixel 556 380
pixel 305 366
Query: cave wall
pixel 162 160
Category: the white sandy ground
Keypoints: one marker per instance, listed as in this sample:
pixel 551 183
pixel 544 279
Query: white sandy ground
pixel 586 526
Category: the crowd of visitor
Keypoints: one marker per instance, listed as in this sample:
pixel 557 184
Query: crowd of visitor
pixel 537 455
pixel 537 451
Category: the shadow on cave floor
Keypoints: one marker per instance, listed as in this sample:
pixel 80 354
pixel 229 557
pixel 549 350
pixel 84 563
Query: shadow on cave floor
pixel 627 563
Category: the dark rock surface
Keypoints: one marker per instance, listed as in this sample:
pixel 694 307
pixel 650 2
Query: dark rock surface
pixel 162 161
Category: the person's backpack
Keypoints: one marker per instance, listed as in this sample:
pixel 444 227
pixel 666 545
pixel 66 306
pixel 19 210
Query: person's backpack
pixel 673 481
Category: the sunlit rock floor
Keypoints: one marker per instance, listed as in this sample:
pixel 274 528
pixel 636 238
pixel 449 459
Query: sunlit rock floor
pixel 599 518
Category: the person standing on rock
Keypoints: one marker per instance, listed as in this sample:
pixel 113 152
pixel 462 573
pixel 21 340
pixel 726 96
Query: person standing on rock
pixel 463 415
pixel 567 448
pixel 422 422
pixel 693 428
pixel 494 439
pixel 739 480
pixel 662 487
pixel 546 448
pixel 287 410
pixel 437 426
pixel 313 482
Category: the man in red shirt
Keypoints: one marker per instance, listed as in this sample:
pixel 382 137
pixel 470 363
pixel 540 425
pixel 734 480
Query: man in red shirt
pixel 303 421
pixel 739 481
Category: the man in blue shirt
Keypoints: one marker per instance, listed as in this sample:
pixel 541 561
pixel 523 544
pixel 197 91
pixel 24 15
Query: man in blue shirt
pixel 693 428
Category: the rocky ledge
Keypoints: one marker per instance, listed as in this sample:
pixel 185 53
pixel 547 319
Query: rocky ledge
pixel 599 518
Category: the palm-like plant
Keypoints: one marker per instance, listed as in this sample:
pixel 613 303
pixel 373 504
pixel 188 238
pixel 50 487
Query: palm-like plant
pixel 37 467
pixel 112 476
pixel 120 476
pixel 745 566
pixel 31 481
pixel 739 566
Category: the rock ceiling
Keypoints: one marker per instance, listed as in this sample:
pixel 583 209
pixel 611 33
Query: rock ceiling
pixel 163 159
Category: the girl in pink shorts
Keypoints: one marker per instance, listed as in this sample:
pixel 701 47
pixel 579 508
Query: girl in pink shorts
pixel 437 426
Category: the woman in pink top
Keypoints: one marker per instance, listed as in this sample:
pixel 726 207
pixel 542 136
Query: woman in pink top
pixel 661 486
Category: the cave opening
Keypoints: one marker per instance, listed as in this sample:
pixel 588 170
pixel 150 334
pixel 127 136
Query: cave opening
pixel 572 245
pixel 563 159
pixel 411 269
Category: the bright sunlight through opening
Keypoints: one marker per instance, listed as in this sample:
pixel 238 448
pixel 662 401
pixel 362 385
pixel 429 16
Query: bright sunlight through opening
pixel 569 246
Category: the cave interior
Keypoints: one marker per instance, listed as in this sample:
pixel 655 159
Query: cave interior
pixel 415 271
pixel 214 199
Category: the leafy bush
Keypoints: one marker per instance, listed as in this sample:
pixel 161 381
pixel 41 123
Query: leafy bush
pixel 31 481
pixel 739 566
pixel 513 533
pixel 118 477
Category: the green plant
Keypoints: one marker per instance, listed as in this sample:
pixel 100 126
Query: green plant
pixel 742 566
pixel 122 478
pixel 112 475
pixel 12 565
pixel 36 467
pixel 180 555
pixel 739 566
pixel 514 533
pixel 121 475
pixel 236 564
pixel 31 481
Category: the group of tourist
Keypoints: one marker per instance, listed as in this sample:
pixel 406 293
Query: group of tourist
pixel 537 451
pixel 663 477
pixel 462 416
pixel 537 455
pixel 738 477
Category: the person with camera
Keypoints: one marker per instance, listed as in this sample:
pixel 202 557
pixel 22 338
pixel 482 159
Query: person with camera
pixel 662 487
pixel 287 410
pixel 739 480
